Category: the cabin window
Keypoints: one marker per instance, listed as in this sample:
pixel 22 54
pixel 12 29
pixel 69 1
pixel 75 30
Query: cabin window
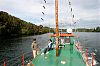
pixel 62 40
pixel 67 40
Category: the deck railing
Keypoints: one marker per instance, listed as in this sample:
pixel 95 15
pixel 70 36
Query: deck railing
pixel 18 61
pixel 85 54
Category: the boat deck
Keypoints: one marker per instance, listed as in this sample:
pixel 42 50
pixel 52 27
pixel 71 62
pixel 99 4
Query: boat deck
pixel 68 56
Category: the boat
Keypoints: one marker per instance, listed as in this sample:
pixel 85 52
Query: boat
pixel 70 53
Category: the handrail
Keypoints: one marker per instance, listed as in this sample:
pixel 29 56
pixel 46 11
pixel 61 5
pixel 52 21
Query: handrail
pixel 92 58
pixel 85 55
pixel 17 60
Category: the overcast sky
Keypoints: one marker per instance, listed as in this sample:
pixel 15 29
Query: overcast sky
pixel 87 12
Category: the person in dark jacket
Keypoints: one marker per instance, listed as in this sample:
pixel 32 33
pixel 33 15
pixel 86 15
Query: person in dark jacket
pixel 49 47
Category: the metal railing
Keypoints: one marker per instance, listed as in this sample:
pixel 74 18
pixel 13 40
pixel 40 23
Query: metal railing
pixel 85 54
pixel 18 61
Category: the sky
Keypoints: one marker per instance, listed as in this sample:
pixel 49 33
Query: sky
pixel 87 12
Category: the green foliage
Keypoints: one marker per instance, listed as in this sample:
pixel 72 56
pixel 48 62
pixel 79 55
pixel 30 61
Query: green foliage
pixel 13 26
pixel 97 29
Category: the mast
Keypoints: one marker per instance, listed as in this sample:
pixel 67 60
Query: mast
pixel 61 26
pixel 57 33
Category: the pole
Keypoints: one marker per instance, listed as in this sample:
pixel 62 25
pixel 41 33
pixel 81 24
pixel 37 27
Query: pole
pixel 87 55
pixel 23 59
pixel 4 63
pixel 57 33
pixel 92 59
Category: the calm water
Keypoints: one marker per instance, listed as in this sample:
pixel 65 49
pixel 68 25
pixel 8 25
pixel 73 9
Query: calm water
pixel 91 41
pixel 11 48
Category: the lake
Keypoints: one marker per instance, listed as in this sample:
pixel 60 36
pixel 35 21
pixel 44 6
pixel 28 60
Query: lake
pixel 13 48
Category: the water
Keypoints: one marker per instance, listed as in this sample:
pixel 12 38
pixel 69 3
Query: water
pixel 91 40
pixel 11 48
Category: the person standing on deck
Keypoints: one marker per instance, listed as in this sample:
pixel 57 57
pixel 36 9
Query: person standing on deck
pixel 62 40
pixel 35 48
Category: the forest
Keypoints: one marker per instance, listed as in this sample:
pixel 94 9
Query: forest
pixel 96 29
pixel 13 26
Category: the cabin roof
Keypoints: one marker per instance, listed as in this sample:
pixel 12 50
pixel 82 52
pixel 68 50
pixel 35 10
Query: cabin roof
pixel 63 35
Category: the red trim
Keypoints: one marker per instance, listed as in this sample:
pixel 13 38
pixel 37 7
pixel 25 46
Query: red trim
pixel 22 59
pixel 87 55
pixel 92 58
pixel 70 34
pixel 4 63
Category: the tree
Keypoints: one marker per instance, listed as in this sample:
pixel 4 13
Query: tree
pixel 13 26
pixel 98 29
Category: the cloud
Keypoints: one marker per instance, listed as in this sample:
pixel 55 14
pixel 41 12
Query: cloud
pixel 87 4
pixel 85 11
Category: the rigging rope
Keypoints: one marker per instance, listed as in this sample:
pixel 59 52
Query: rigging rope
pixel 72 23
pixel 43 12
pixel 45 1
pixel 72 14
pixel 43 6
